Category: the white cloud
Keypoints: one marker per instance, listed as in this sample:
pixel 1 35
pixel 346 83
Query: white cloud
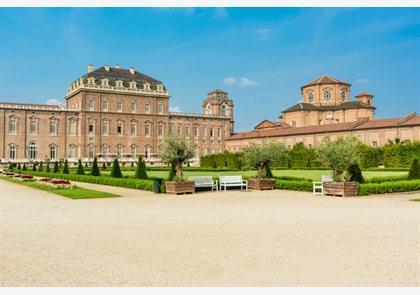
pixel 54 102
pixel 229 80
pixel 240 81
pixel 175 109
pixel 362 81
pixel 264 34
pixel 245 82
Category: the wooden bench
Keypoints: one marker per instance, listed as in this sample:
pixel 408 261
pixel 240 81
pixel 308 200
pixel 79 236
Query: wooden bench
pixel 233 181
pixel 204 181
pixel 318 188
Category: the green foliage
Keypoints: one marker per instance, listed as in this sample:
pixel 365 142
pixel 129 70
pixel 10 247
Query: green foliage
pixel 10 166
pixel 381 179
pixel 260 156
pixel 414 172
pixel 339 154
pixel 176 152
pixel 301 156
pixel 19 167
pixel 103 166
pixel 47 167
pixel 267 172
pixel 354 173
pixel 24 167
pixel 289 164
pixel 66 169
pixel 41 168
pixel 80 169
pixel 141 169
pixel 294 185
pixel 370 156
pixel 223 160
pixel 56 167
pixel 116 170
pixel 389 187
pixel 95 169
pixel 401 154
pixel 34 167
pixel 172 173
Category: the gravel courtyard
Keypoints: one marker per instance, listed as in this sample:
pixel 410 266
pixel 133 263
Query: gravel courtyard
pixel 275 238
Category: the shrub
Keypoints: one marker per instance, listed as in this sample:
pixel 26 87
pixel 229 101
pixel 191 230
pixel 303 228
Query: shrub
pixel 370 156
pixel 56 167
pixel 414 172
pixel 24 167
pixel 389 187
pixel 141 169
pixel 116 171
pixel 34 167
pixel 339 154
pixel 80 169
pixel 294 185
pixel 103 166
pixel 66 169
pixel 47 167
pixel 172 173
pixel 176 152
pixel 381 179
pixel 354 173
pixel 10 166
pixel 95 169
pixel 400 154
pixel 268 173
pixel 301 156
pixel 19 167
pixel 40 168
pixel 260 156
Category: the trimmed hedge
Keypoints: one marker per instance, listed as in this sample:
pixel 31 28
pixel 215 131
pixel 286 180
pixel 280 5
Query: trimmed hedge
pixel 294 185
pixel 388 187
pixel 381 179
pixel 142 184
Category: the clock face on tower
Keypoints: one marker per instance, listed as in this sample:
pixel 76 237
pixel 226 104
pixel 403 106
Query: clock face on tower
pixel 343 95
pixel 310 97
pixel 327 95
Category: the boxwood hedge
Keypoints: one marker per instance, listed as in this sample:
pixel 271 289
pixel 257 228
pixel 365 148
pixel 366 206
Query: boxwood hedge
pixel 389 187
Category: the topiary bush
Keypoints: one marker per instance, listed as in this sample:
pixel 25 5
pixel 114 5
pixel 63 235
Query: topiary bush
pixel 56 167
pixel 47 167
pixel 66 169
pixel 355 174
pixel 80 169
pixel 24 167
pixel 34 167
pixel 95 169
pixel 414 172
pixel 116 170
pixel 141 169
pixel 41 168
pixel 19 167
pixel 389 187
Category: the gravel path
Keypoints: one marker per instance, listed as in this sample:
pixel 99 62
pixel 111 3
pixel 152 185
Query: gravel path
pixel 276 238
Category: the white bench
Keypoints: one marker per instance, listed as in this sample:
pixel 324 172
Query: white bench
pixel 317 187
pixel 232 181
pixel 204 181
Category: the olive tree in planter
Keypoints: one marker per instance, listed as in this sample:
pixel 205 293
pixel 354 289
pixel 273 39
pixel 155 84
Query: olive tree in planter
pixel 176 152
pixel 261 157
pixel 339 155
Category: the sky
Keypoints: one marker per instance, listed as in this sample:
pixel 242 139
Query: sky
pixel 261 56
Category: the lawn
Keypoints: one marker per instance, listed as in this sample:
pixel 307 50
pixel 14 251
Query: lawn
pixel 315 175
pixel 73 193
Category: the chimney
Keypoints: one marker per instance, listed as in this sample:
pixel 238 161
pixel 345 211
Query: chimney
pixel 117 67
pixel 90 68
pixel 107 68
pixel 132 70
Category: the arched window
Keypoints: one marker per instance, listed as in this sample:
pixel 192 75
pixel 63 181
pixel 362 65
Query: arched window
pixel 147 129
pixel 53 151
pixel 32 150
pixel 208 109
pixel 147 151
pixel 12 151
pixel 223 110
pixel 12 125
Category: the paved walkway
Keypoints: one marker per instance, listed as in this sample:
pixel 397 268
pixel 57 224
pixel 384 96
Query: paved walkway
pixel 274 238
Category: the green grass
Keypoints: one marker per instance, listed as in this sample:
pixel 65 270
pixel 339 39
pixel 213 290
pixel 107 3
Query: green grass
pixel 74 193
pixel 315 175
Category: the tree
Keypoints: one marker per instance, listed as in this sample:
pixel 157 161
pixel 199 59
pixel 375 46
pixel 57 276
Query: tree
pixel 260 156
pixel 176 152
pixel 141 169
pixel 19 167
pixel 354 173
pixel 80 169
pixel 24 167
pixel 339 154
pixel 47 167
pixel 172 173
pixel 300 155
pixel 414 172
pixel 103 166
pixel 95 169
pixel 40 168
pixel 34 167
pixel 66 169
pixel 56 167
pixel 116 171
pixel 10 166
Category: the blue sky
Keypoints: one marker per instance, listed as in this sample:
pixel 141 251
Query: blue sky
pixel 260 56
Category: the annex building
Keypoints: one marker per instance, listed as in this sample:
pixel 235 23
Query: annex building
pixel 326 109
pixel 112 112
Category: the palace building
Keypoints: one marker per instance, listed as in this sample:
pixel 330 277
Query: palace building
pixel 112 112
pixel 325 109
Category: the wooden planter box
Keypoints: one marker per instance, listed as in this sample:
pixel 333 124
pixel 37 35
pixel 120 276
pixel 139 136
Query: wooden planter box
pixel 341 189
pixel 261 184
pixel 184 187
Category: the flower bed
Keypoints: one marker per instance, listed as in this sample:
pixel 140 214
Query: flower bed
pixel 57 183
pixel 26 177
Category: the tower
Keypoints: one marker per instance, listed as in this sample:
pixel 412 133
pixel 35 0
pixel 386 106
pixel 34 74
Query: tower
pixel 218 104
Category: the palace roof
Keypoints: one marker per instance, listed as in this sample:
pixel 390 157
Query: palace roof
pixel 325 79
pixel 342 106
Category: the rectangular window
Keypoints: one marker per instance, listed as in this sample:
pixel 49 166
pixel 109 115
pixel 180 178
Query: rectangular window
pixel 105 127
pixel 147 129
pixel 171 128
pixel 211 132
pixel 119 106
pixel 160 108
pixel 91 104
pixel 119 129
pixel 104 105
pixel 53 152
pixel 133 106
pixel 53 127
pixel 119 151
pixel 91 129
pixel 160 130
pixel 147 108
pixel 72 152
pixel 187 131
pixel 195 131
pixel 219 132
pixel 72 127
pixel 12 125
pixel 33 126
pixel 179 130
pixel 12 152
pixel 204 132
pixel 133 151
pixel 133 129
pixel 91 152
pixel 374 143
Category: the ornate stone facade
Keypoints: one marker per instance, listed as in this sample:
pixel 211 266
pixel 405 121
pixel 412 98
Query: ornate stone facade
pixel 111 113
